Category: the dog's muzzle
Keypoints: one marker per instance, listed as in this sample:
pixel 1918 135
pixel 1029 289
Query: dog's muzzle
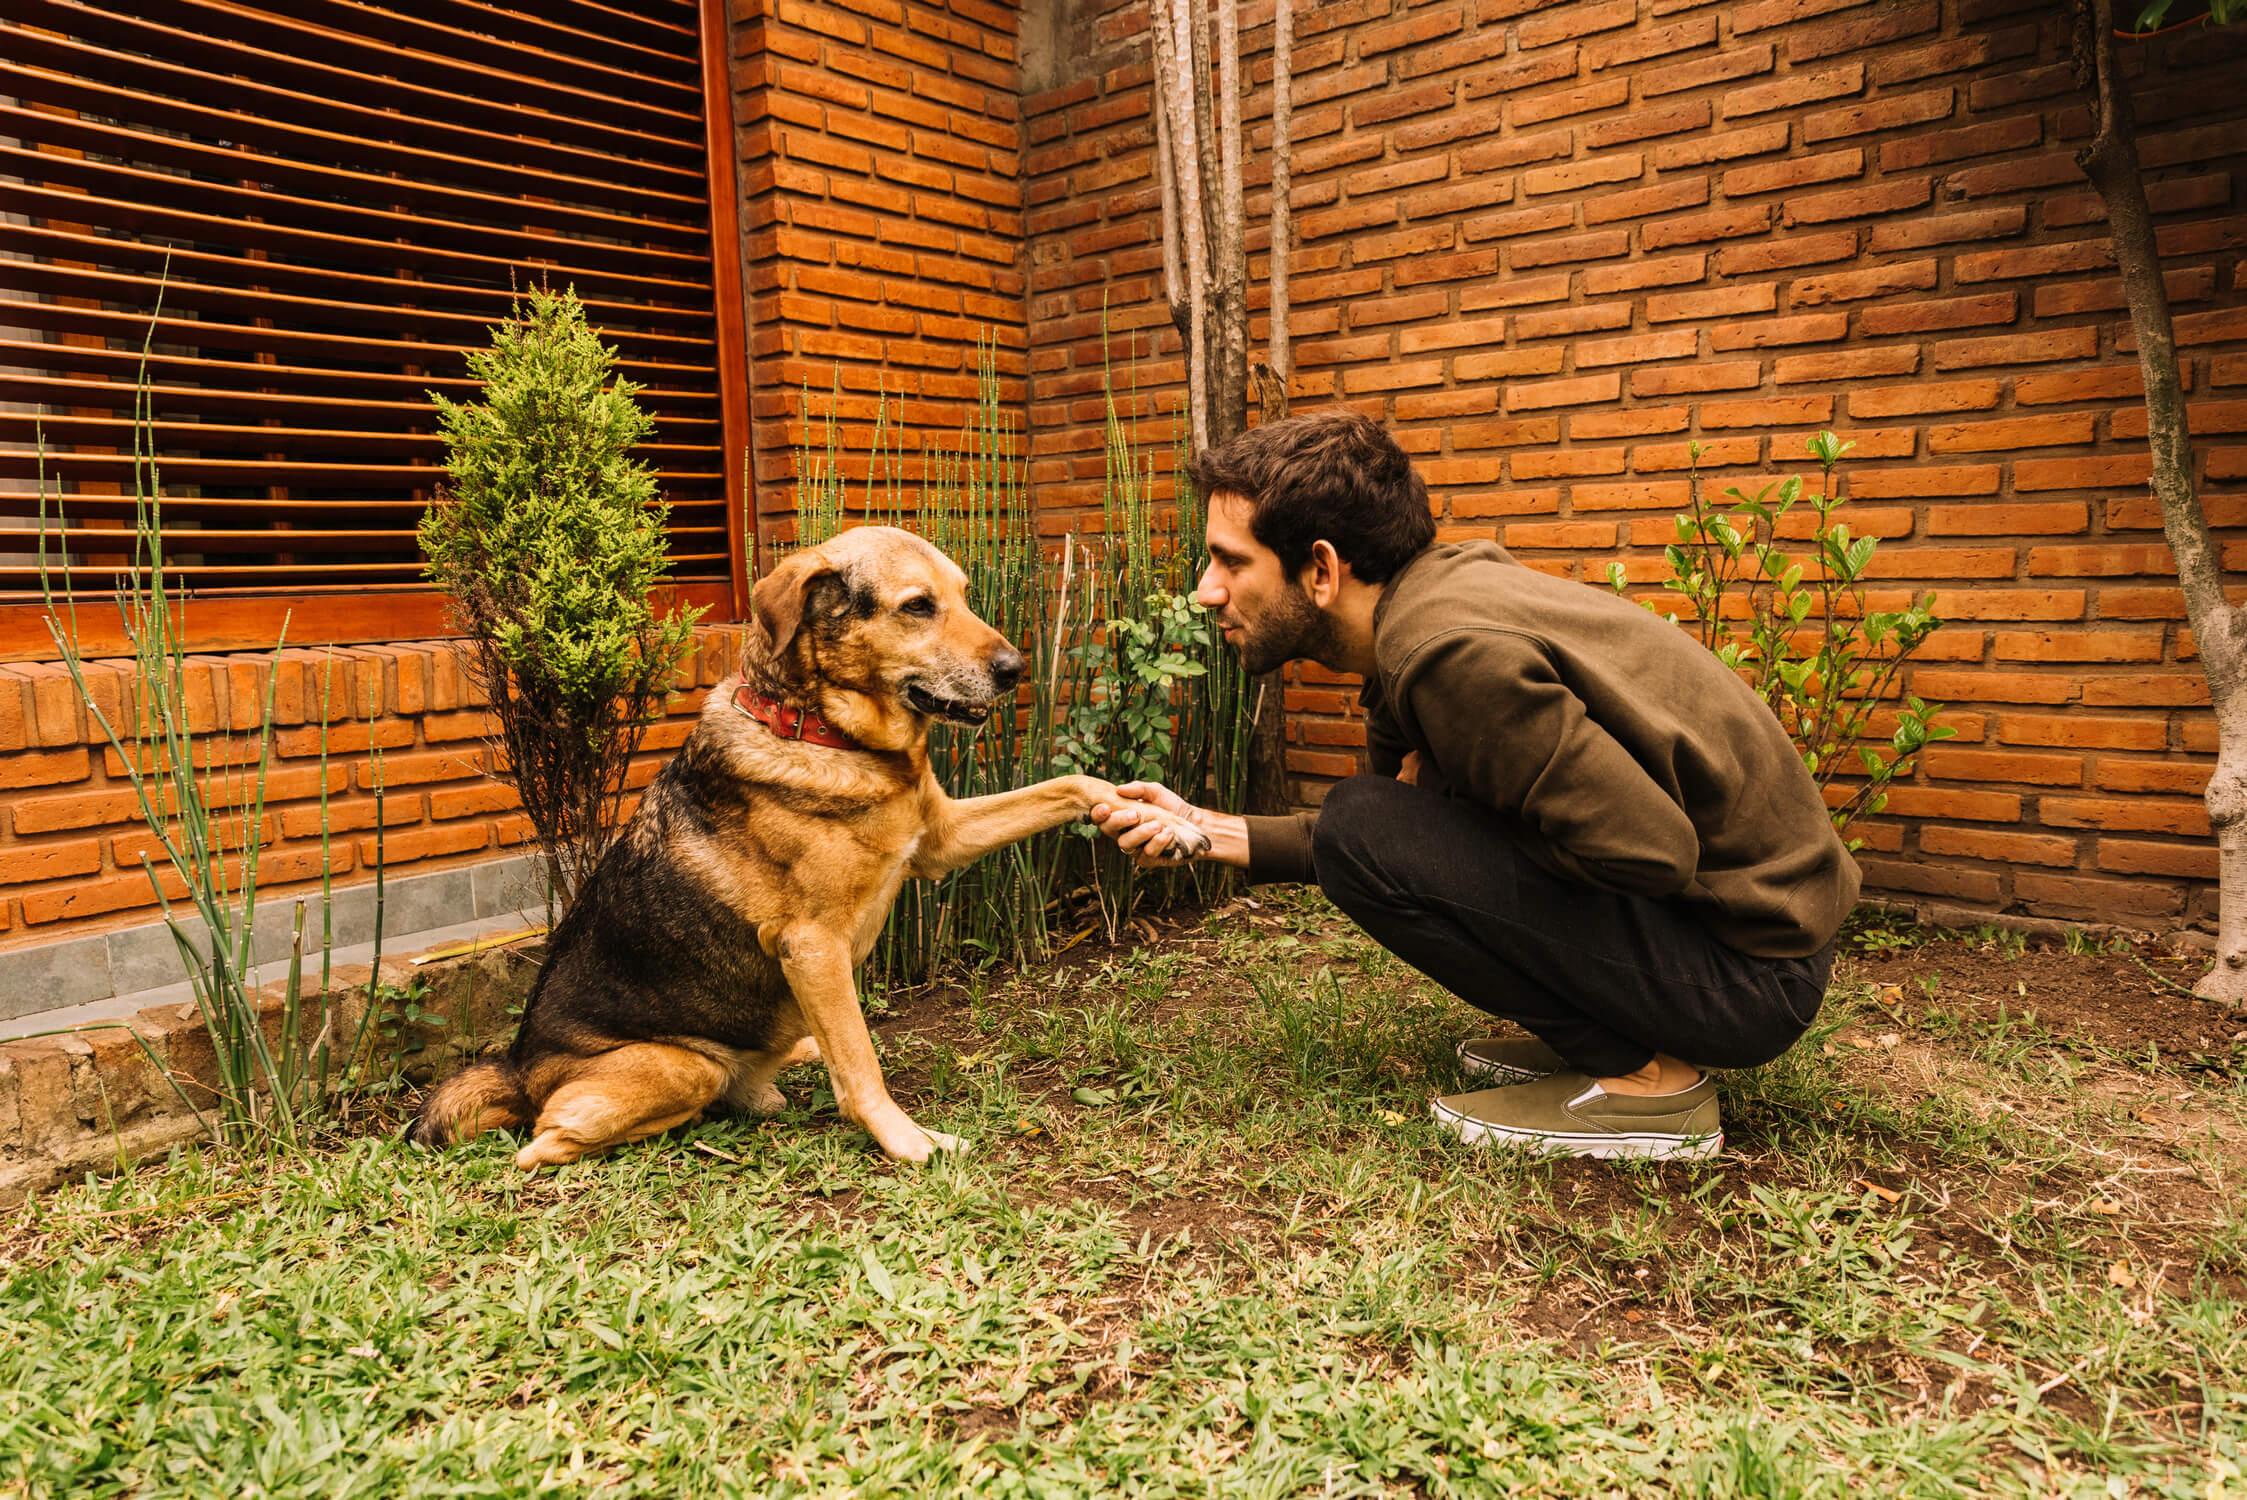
pixel 925 700
pixel 964 695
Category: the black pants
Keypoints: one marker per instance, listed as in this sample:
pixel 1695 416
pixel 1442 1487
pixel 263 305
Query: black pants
pixel 1606 980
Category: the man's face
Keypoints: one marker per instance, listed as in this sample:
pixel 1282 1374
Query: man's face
pixel 1264 614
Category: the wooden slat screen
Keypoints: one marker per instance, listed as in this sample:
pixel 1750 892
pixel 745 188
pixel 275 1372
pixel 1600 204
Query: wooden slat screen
pixel 335 198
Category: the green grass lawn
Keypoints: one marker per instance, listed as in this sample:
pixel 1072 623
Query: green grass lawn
pixel 1207 1244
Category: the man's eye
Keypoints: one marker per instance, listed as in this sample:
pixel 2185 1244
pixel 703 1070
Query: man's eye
pixel 920 604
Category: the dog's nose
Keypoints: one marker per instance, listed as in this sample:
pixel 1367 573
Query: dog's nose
pixel 1007 667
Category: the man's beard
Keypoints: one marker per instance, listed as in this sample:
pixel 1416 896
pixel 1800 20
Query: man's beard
pixel 1292 628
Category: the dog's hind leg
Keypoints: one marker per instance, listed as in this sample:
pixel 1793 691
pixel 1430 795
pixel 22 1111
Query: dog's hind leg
pixel 621 1096
pixel 753 1090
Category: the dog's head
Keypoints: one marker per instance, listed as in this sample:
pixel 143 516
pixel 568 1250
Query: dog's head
pixel 879 613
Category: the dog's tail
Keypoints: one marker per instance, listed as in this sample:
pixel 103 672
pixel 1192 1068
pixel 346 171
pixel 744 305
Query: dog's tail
pixel 487 1096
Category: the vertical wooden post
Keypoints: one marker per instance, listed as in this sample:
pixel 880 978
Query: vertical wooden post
pixel 721 150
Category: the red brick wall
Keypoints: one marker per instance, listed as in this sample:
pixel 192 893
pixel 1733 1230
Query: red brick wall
pixel 72 834
pixel 882 225
pixel 1552 243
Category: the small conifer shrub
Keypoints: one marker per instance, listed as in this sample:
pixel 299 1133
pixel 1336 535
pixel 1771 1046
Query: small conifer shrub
pixel 549 538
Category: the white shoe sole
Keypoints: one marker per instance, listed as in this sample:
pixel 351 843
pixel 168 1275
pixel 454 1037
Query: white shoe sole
pixel 1598 1146
pixel 1475 1067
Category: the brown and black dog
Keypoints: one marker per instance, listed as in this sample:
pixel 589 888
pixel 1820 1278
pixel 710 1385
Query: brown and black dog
pixel 715 944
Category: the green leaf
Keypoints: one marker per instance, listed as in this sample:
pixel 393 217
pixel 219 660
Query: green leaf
pixel 878 1279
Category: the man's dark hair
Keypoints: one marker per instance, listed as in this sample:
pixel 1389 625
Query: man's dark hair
pixel 1332 474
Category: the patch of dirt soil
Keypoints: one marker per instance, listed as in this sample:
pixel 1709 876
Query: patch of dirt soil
pixel 2116 1006
pixel 2122 1002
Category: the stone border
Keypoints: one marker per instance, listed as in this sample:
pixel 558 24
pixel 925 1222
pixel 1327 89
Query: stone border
pixel 129 960
pixel 97 1100
pixel 1946 914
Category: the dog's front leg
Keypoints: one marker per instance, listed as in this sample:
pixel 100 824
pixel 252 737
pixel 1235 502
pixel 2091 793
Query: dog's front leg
pixel 960 833
pixel 817 964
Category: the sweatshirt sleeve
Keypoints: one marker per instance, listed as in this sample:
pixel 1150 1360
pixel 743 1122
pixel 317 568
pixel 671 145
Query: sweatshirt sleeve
pixel 1505 731
pixel 1279 849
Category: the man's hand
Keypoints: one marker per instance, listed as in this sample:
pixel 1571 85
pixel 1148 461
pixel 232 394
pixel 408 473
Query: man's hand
pixel 1409 772
pixel 1131 823
pixel 1146 839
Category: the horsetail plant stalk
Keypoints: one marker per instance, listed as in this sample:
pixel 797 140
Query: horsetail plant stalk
pixel 269 1089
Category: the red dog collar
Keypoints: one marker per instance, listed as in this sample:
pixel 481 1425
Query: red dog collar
pixel 791 723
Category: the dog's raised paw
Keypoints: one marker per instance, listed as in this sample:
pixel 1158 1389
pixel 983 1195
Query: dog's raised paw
pixel 1187 841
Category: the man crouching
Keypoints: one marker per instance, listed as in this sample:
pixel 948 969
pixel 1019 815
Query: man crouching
pixel 1579 820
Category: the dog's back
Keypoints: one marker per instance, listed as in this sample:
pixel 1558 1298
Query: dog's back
pixel 656 921
pixel 651 950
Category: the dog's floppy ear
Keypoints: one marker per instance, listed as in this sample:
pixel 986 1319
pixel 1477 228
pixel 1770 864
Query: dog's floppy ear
pixel 778 600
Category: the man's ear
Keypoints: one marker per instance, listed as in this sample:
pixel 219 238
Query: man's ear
pixel 1324 574
pixel 778 599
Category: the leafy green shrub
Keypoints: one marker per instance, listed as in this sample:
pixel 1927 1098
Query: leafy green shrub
pixel 1125 677
pixel 549 539
pixel 1124 727
pixel 1800 633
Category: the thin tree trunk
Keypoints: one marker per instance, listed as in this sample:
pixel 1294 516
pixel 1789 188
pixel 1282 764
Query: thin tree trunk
pixel 1228 136
pixel 2219 629
pixel 1201 55
pixel 1267 745
pixel 1229 360
pixel 1279 361
pixel 1166 178
pixel 1202 48
pixel 1178 102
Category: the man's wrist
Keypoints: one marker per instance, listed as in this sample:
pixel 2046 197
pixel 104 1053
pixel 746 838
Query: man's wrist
pixel 1228 838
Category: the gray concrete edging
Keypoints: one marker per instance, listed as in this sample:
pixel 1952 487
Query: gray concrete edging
pixel 137 960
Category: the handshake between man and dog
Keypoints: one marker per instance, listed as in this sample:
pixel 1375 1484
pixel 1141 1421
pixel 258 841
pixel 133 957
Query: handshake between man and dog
pixel 716 943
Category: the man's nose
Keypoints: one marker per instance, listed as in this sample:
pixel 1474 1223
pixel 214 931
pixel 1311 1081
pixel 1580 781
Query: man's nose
pixel 1007 667
pixel 1207 593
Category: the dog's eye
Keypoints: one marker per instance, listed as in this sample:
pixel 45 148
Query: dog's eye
pixel 920 605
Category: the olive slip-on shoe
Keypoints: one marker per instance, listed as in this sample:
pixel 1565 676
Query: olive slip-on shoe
pixel 1567 1114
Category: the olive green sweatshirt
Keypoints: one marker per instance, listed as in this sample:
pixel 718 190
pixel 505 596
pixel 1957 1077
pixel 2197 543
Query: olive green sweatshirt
pixel 1627 755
